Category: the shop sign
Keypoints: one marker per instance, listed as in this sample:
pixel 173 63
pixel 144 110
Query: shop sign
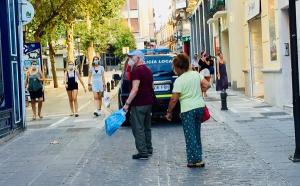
pixel 27 12
pixel 125 50
pixel 252 9
pixel 32 52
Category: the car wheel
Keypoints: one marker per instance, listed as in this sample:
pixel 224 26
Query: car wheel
pixel 127 121
pixel 176 117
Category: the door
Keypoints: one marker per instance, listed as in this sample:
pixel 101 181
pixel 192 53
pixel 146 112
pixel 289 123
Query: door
pixel 14 60
pixel 256 59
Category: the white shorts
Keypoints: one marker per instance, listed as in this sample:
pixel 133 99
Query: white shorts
pixel 205 72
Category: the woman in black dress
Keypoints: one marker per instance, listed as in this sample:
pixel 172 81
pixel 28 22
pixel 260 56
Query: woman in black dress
pixel 222 79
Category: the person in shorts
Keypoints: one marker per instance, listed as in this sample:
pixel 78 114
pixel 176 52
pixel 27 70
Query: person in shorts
pixel 34 84
pixel 72 77
pixel 96 83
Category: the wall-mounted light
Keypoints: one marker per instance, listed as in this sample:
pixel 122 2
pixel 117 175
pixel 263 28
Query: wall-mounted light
pixel 287 49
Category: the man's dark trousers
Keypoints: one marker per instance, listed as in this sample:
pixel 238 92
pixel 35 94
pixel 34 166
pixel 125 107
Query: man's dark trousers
pixel 140 120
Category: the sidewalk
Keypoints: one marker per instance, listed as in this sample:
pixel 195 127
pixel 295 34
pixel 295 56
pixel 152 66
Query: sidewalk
pixel 76 151
pixel 269 131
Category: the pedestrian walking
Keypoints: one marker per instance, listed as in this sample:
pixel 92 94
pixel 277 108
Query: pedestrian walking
pixel 187 89
pixel 140 100
pixel 96 83
pixel 195 64
pixel 72 77
pixel 222 79
pixel 34 84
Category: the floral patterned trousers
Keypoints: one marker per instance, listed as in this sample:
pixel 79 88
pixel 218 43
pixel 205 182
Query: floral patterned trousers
pixel 191 122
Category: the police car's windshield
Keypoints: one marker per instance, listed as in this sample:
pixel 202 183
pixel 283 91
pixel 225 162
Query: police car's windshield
pixel 159 64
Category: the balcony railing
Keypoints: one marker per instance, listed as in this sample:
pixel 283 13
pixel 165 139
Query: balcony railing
pixel 217 5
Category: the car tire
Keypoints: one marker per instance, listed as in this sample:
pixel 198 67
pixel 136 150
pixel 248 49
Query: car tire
pixel 127 121
pixel 176 117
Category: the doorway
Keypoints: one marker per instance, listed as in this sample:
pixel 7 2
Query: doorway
pixel 256 59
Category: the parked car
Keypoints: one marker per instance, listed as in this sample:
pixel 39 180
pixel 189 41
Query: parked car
pixel 160 63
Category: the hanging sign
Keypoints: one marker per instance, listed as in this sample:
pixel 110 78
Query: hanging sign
pixel 252 9
pixel 27 12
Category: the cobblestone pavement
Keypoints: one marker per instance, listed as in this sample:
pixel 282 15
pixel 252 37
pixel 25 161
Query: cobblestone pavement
pixel 77 152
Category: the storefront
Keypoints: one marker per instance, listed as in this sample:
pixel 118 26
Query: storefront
pixel 11 97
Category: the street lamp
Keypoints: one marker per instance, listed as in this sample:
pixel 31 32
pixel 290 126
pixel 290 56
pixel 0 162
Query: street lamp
pixel 295 78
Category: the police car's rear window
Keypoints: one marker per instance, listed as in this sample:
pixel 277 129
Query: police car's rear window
pixel 159 63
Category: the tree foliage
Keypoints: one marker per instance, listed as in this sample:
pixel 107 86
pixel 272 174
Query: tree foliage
pixel 123 38
pixel 51 13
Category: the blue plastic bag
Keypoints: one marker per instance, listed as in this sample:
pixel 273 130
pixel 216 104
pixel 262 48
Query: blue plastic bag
pixel 114 121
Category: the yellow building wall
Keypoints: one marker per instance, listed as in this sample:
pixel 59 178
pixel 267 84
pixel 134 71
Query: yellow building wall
pixel 236 42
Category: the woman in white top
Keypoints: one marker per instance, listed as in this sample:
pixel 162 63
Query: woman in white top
pixel 71 82
pixel 195 64
pixel 96 83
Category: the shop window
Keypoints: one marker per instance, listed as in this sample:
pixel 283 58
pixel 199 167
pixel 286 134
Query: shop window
pixel 12 27
pixel 133 4
pixel 2 100
pixel 134 22
pixel 272 30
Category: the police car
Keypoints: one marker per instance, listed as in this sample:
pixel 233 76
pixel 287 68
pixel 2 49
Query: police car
pixel 160 63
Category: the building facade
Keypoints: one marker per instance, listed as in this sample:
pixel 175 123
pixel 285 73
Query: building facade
pixel 254 37
pixel 165 36
pixel 139 16
pixel 11 76
pixel 197 12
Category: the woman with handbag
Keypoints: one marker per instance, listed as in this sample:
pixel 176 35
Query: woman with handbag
pixel 33 83
pixel 187 90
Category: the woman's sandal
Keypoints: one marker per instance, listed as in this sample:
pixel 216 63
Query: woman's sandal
pixel 40 116
pixel 196 165
pixel 33 117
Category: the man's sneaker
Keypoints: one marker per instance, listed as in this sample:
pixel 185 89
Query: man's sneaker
pixel 96 112
pixel 150 153
pixel 140 157
pixel 99 112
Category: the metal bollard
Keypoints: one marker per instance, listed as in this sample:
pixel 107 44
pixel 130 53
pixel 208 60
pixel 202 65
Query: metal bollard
pixel 108 87
pixel 112 83
pixel 223 100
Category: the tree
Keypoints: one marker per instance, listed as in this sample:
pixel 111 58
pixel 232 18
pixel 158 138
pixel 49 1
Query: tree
pixel 123 38
pixel 51 14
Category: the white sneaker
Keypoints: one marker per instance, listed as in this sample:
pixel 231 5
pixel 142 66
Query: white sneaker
pixel 96 112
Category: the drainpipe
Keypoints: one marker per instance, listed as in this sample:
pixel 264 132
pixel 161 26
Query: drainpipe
pixel 295 78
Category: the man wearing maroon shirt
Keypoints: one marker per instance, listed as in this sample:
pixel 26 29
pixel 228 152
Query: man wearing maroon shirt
pixel 140 101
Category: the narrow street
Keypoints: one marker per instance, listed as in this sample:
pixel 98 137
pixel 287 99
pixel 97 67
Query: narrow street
pixel 63 150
